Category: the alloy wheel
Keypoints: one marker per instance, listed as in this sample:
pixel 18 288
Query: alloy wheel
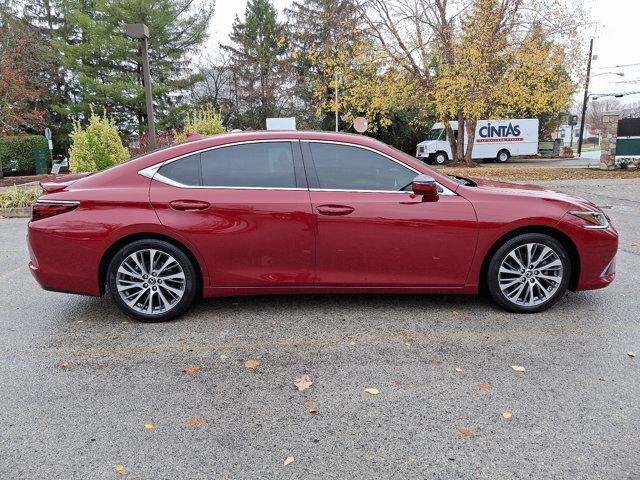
pixel 150 281
pixel 530 274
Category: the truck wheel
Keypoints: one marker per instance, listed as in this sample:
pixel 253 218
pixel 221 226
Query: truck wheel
pixel 440 158
pixel 503 156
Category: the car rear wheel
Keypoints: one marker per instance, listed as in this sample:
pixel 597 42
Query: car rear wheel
pixel 152 280
pixel 529 273
pixel 503 156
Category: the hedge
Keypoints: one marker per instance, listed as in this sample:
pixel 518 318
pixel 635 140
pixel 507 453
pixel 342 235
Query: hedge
pixel 21 149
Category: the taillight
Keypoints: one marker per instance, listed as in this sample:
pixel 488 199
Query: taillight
pixel 48 208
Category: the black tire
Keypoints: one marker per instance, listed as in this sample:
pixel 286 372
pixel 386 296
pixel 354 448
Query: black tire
pixel 190 280
pixel 493 285
pixel 503 156
pixel 440 158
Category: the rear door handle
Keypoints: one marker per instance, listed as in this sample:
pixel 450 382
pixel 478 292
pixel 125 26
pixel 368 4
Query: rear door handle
pixel 334 210
pixel 189 205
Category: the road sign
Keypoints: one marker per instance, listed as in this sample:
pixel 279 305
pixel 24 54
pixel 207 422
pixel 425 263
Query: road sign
pixel 360 124
pixel 47 133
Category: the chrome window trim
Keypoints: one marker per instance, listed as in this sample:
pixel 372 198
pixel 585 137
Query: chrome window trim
pixel 152 171
pixel 59 202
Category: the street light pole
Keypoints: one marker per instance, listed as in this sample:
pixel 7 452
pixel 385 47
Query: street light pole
pixel 336 93
pixel 586 98
pixel 141 32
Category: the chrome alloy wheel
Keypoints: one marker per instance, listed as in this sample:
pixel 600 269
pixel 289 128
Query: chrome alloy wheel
pixel 530 274
pixel 150 281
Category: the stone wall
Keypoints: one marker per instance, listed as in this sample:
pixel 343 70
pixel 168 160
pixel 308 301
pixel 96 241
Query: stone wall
pixel 609 138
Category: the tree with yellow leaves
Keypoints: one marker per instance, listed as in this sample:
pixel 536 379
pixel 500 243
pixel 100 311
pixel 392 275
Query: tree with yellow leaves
pixel 480 58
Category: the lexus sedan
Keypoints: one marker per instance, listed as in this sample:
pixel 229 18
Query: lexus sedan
pixel 308 212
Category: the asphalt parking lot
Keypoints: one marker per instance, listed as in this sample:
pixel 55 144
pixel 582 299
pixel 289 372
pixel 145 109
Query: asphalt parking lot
pixel 79 381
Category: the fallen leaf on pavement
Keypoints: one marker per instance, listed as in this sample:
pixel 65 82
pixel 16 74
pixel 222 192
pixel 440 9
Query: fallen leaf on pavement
pixel 484 386
pixel 223 356
pixel 191 369
pixel 252 364
pixel 303 382
pixel 194 422
pixel 459 370
pixel 435 361
pixel 372 391
pixel 352 343
pixel 507 414
pixel 149 426
pixel 310 408
pixel 455 313
pixel 64 364
pixel 121 470
pixel 518 368
pixel 631 354
pixel 466 433
pixel 288 461
pixel 273 323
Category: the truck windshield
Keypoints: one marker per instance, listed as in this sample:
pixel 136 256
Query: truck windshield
pixel 435 134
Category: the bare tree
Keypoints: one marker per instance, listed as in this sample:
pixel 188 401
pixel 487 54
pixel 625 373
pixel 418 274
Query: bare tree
pixel 597 108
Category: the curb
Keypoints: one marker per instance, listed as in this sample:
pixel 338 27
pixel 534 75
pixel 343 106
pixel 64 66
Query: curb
pixel 19 212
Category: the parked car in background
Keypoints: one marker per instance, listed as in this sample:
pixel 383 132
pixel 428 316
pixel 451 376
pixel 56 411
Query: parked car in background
pixel 308 212
pixel 495 140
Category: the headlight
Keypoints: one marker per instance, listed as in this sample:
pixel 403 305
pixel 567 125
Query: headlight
pixel 595 220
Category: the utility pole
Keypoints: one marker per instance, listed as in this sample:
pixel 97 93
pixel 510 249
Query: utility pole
pixel 336 93
pixel 141 32
pixel 586 98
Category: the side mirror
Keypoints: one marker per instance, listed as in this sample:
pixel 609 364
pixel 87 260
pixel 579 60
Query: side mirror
pixel 426 186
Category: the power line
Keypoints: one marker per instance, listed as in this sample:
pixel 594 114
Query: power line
pixel 618 66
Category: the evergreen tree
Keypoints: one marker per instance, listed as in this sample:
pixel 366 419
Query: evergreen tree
pixel 106 65
pixel 259 64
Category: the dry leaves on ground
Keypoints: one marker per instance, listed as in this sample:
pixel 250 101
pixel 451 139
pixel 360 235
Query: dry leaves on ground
pixel 191 369
pixel 64 365
pixel 303 382
pixel 149 426
pixel 506 414
pixel 484 386
pixel 435 361
pixel 372 391
pixel 310 408
pixel 252 365
pixel 518 368
pixel 194 422
pixel 459 370
pixel 466 432
pixel 631 354
pixel 455 313
pixel 288 461
pixel 528 174
pixel 121 470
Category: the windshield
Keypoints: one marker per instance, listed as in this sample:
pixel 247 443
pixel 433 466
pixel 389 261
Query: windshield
pixel 435 134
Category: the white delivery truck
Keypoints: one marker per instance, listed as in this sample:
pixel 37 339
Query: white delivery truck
pixel 495 140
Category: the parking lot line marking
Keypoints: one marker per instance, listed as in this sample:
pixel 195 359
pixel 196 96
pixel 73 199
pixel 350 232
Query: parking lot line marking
pixel 6 274
pixel 284 343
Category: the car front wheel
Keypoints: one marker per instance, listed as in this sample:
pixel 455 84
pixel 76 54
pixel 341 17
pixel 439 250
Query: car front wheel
pixel 529 273
pixel 152 280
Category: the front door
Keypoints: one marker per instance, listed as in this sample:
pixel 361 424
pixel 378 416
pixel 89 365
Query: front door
pixel 372 230
pixel 246 209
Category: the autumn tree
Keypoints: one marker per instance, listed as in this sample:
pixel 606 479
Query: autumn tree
pixel 258 61
pixel 478 59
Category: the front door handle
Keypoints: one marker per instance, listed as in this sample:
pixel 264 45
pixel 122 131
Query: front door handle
pixel 189 205
pixel 334 210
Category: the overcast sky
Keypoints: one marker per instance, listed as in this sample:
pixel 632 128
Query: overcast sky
pixel 616 39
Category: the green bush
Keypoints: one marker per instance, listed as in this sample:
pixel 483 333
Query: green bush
pixel 96 147
pixel 20 151
pixel 205 121
pixel 15 197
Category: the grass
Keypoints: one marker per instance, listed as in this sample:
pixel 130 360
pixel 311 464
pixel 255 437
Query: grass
pixel 14 197
pixel 524 174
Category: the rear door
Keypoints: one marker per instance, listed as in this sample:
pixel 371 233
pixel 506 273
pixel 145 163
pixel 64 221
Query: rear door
pixel 373 231
pixel 246 208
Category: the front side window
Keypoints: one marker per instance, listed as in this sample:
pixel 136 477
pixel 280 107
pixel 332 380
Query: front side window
pixel 263 165
pixel 345 167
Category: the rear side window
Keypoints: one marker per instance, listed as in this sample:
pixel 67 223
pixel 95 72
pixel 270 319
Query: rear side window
pixel 344 167
pixel 265 165
pixel 185 171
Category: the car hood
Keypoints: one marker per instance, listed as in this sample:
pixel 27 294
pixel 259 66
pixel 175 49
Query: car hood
pixel 528 190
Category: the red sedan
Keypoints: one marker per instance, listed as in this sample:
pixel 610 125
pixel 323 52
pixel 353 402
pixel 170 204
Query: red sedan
pixel 309 212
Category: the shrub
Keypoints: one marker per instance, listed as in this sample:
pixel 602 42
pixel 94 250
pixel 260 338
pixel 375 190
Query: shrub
pixel 20 152
pixel 96 147
pixel 15 197
pixel 624 163
pixel 205 121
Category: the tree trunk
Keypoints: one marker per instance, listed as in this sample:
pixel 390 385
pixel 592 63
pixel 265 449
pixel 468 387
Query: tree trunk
pixel 458 159
pixel 451 138
pixel 471 138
